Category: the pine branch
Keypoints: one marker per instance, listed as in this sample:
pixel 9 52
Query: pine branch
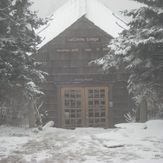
pixel 5 8
pixel 10 18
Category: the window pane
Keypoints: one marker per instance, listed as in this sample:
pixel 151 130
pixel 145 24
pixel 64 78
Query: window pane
pixel 96 103
pixel 79 122
pixel 67 114
pixel 72 113
pixel 72 93
pixel 90 112
pixel 90 93
pixel 78 113
pixel 66 93
pixel 97 113
pixel 96 93
pixel 102 93
pixel 72 103
pixel 102 112
pixel 73 123
pixel 102 103
pixel 67 123
pixel 102 122
pixel 66 103
pixel 90 104
pixel 97 124
pixel 78 93
pixel 90 122
pixel 78 104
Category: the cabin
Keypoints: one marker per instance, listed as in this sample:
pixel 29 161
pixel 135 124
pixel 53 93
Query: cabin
pixel 76 94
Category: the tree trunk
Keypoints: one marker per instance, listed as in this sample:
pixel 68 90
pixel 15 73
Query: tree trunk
pixel 31 115
pixel 37 116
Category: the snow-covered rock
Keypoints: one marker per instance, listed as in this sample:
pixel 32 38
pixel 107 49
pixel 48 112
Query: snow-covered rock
pixel 49 124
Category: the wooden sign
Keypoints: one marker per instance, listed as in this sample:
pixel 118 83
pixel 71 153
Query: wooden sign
pixel 83 39
pixel 83 79
pixel 96 49
pixel 73 50
pixel 66 50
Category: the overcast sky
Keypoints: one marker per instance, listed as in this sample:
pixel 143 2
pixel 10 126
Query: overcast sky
pixel 47 7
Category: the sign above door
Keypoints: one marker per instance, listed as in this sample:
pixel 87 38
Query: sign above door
pixel 83 39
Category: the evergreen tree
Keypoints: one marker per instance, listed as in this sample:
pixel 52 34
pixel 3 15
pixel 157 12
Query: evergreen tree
pixel 140 50
pixel 19 76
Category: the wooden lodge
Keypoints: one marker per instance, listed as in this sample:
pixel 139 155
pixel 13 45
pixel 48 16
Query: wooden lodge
pixel 76 94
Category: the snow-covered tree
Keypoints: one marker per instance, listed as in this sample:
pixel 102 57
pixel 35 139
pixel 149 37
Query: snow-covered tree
pixel 150 2
pixel 140 50
pixel 19 76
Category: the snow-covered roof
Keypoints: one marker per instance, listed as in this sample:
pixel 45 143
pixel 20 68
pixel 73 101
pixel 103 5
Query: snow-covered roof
pixel 73 10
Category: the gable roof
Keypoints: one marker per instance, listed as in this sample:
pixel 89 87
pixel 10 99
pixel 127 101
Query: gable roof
pixel 73 10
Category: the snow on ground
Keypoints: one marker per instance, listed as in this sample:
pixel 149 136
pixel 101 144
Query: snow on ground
pixel 128 143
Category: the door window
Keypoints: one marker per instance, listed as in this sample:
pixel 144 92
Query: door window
pixel 84 107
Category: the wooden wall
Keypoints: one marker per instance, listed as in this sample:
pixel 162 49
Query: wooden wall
pixel 67 60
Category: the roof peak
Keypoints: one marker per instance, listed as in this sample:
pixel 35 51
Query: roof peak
pixel 73 10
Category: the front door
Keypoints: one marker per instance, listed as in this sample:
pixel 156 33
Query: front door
pixel 84 107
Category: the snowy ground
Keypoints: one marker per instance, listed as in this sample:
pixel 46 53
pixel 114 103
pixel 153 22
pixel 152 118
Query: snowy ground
pixel 128 143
